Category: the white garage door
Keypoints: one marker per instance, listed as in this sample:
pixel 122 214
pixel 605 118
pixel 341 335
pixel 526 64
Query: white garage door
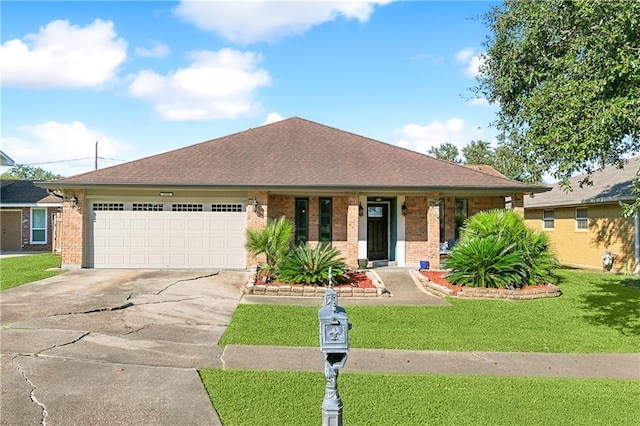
pixel 187 236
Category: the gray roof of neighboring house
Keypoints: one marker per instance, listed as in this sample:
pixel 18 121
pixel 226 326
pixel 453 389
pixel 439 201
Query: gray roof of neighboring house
pixel 610 185
pixel 25 192
pixel 293 154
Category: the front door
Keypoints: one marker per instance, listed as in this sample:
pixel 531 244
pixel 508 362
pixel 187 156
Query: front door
pixel 11 231
pixel 377 231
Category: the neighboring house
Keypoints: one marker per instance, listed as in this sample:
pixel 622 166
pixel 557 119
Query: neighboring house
pixel 190 208
pixel 27 216
pixel 586 222
pixel 5 162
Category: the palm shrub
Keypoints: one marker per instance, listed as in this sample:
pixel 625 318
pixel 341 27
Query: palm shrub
pixel 274 242
pixel 306 265
pixel 474 263
pixel 485 262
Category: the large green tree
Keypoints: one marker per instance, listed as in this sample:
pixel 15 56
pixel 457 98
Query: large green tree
pixel 445 151
pixel 26 172
pixel 566 75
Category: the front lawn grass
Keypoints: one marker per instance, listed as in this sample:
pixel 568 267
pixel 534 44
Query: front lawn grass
pixel 15 271
pixel 295 398
pixel 597 313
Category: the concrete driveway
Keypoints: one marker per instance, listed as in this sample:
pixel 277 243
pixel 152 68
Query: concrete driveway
pixel 113 346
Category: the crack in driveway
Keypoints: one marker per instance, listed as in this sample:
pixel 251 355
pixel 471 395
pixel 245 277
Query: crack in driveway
pixel 32 395
pixel 187 279
pixel 76 340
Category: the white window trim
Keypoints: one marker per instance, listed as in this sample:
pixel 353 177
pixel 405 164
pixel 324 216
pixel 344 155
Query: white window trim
pixel 585 219
pixel 46 226
pixel 552 220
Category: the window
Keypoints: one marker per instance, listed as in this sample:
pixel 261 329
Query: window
pixel 581 218
pixel 461 214
pixel 148 207
pixel 548 219
pixel 442 223
pixel 108 206
pixel 325 220
pixel 302 220
pixel 186 207
pixel 234 208
pixel 38 226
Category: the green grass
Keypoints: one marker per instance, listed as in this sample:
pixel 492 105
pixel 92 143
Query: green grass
pixel 295 398
pixel 15 271
pixel 596 314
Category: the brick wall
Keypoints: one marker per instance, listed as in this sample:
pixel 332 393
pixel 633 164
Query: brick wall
pixel 257 218
pixel 73 230
pixel 607 230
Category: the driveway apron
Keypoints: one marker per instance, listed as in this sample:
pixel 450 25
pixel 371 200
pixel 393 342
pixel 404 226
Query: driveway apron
pixel 113 346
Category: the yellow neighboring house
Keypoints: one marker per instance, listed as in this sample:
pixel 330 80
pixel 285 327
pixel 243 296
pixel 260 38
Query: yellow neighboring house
pixel 586 224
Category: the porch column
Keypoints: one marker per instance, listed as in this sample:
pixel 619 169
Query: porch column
pixel 433 231
pixel 517 203
pixel 257 217
pixel 73 229
pixel 353 217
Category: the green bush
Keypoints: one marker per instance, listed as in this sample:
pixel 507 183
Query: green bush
pixel 497 249
pixel 274 242
pixel 306 265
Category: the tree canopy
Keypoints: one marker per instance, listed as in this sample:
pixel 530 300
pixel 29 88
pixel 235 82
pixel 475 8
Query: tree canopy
pixel 26 172
pixel 566 75
pixel 446 151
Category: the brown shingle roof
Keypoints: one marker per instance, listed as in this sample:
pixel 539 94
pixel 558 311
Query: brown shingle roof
pixel 294 153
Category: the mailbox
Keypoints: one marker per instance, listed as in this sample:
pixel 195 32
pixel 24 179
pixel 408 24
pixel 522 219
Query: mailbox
pixel 334 327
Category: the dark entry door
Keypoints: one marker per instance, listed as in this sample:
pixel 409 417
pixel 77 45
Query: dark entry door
pixel 377 231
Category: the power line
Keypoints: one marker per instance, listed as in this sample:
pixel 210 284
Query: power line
pixel 68 161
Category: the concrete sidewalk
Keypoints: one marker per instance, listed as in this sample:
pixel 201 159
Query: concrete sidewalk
pixel 600 366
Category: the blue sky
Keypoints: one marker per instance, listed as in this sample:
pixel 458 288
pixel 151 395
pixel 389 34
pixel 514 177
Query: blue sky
pixel 147 77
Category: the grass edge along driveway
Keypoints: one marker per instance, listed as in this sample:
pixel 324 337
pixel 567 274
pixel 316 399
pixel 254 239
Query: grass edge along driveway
pixel 19 270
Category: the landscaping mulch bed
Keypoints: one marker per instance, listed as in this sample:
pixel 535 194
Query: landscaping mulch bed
pixel 526 292
pixel 359 284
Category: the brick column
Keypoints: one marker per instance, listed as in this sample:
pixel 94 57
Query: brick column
pixel 73 229
pixel 517 203
pixel 433 231
pixel 353 217
pixel 257 218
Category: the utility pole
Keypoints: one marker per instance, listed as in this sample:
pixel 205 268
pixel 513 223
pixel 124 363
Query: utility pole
pixel 96 162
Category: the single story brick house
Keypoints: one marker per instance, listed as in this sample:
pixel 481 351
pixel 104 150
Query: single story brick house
pixel 586 222
pixel 190 208
pixel 28 216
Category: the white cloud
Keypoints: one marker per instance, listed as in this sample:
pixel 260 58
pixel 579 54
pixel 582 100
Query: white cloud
pixel 435 60
pixel 215 85
pixel 264 20
pixel 51 145
pixel 478 102
pixel 63 55
pixel 158 50
pixel 471 60
pixel 420 138
pixel 272 117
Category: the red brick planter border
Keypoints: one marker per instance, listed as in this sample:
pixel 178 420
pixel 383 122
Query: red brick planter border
pixel 311 290
pixel 539 292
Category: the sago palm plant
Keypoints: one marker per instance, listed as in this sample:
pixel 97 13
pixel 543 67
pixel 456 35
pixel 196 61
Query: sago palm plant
pixel 274 242
pixel 474 263
pixel 306 265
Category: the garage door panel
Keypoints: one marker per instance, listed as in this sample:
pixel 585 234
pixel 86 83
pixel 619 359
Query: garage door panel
pixel 235 225
pixel 166 239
